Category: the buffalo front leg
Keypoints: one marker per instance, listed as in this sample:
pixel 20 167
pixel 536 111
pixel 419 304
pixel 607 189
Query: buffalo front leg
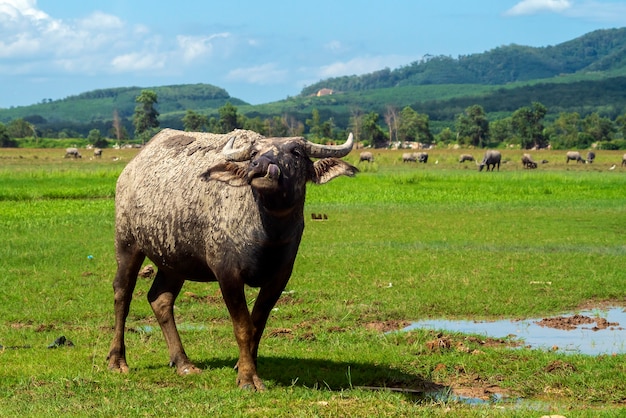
pixel 128 265
pixel 161 296
pixel 265 302
pixel 235 299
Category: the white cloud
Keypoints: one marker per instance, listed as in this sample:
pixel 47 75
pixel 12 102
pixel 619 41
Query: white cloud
pixel 528 7
pixel 193 47
pixel 18 9
pixel 101 22
pixel 263 74
pixel 334 46
pixel 136 61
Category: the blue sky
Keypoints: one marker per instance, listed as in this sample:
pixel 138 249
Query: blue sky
pixel 260 51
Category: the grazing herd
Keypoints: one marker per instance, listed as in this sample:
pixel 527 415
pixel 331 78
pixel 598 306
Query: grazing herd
pixel 493 158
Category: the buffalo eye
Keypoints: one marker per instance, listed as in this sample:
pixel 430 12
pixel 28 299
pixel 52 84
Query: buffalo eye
pixel 297 151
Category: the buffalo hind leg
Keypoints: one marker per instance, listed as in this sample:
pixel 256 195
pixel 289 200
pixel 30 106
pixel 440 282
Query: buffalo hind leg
pixel 161 296
pixel 128 264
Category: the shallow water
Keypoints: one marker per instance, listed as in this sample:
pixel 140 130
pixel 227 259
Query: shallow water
pixel 583 339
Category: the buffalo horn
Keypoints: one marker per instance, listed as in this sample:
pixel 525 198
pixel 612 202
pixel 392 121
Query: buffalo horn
pixel 325 151
pixel 235 154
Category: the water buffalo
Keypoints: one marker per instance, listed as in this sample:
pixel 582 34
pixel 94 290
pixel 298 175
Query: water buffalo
pixel 574 155
pixel 590 157
pixel 466 157
pixel 409 157
pixel 366 156
pixel 491 159
pixel 72 152
pixel 623 160
pixel 420 157
pixel 208 207
pixel 528 162
pixel 97 152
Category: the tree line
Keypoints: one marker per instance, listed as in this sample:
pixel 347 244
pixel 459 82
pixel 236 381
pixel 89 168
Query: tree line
pixel 526 127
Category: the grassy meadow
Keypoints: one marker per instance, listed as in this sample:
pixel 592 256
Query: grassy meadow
pixel 401 242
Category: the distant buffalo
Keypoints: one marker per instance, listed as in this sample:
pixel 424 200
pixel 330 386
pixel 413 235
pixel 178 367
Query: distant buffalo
pixel 97 152
pixel 72 153
pixel 491 159
pixel 466 157
pixel 409 157
pixel 623 160
pixel 420 157
pixel 366 156
pixel 590 157
pixel 528 162
pixel 575 156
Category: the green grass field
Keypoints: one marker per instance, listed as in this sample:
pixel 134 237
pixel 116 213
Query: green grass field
pixel 402 242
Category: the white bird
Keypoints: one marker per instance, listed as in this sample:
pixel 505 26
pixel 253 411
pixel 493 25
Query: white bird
pixel 612 167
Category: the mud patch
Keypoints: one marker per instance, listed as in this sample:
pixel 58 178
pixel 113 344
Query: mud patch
pixel 590 332
pixel 386 326
pixel 570 323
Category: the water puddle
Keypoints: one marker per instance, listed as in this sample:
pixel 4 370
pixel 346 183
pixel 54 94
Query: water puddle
pixel 590 332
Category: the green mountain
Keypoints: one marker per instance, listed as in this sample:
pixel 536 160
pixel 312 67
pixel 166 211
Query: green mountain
pixel 95 109
pixel 602 50
pixel 584 75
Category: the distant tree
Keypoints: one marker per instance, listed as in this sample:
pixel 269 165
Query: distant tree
pixel 20 128
pixel 5 140
pixel 145 118
pixel 255 124
pixel 373 132
pixel 598 128
pixel 413 126
pixel 194 122
pixel 96 139
pixel 228 118
pixel 118 129
pixel 356 122
pixel 500 131
pixel 565 130
pixel 527 122
pixel 446 136
pixel 294 127
pixel 275 127
pixel 473 126
pixel 315 124
pixel 327 128
pixel 391 119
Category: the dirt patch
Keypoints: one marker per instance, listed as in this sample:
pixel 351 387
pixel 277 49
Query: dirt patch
pixel 558 366
pixel 569 323
pixel 386 326
pixel 469 345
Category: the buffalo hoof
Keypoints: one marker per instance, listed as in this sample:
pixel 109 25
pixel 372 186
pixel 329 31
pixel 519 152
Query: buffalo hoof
pixel 255 385
pixel 188 368
pixel 118 365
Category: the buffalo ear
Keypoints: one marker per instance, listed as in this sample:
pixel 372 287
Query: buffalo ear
pixel 328 168
pixel 227 172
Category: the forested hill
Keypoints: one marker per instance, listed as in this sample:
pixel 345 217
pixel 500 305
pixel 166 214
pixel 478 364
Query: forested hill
pixel 100 104
pixel 601 50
